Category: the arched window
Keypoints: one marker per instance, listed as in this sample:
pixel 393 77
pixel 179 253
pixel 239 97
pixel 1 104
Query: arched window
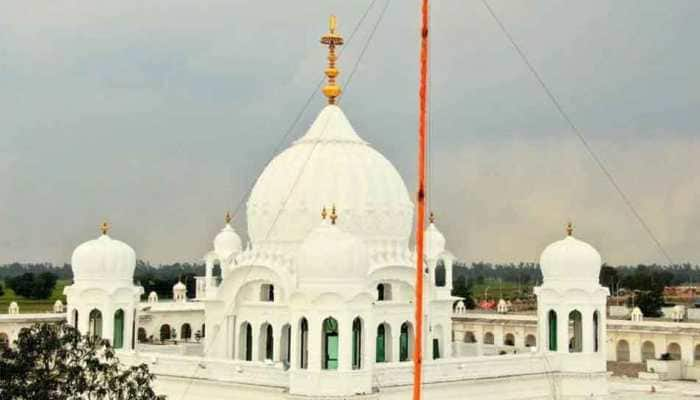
pixel 185 331
pixel 648 351
pixel 696 353
pixel 285 344
pixel 576 341
pixel 552 330
pixel 142 336
pixel 329 344
pixel 265 342
pixel 469 337
pixel 357 343
pixel 245 347
pixel 384 292
pixel 164 332
pixel 303 344
pixel 383 343
pixel 530 341
pixel 4 341
pixel 95 323
pixel 622 351
pixel 674 350
pixel 509 340
pixel 596 331
pixel 267 292
pixel 488 338
pixel 204 332
pixel 75 318
pixel 119 329
pixel 406 342
pixel 440 274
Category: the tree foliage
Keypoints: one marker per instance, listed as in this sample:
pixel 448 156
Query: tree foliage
pixel 462 288
pixel 54 362
pixel 33 286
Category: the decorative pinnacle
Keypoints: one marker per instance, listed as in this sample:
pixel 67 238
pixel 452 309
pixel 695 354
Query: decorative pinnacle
pixel 324 214
pixel 227 217
pixel 333 215
pixel 569 229
pixel 331 39
pixel 105 227
pixel 432 217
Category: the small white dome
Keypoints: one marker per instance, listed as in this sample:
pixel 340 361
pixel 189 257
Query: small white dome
pixel 570 260
pixel 104 259
pixel 227 242
pixel 330 255
pixel 179 286
pixel 434 242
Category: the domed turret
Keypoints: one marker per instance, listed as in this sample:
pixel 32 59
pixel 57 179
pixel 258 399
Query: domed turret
pixel 227 242
pixel 179 291
pixel 570 260
pixel 103 259
pixel 330 255
pixel 434 240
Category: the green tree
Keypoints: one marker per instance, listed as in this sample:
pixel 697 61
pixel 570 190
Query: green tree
pixel 2 290
pixel 649 301
pixel 54 362
pixel 460 288
pixel 33 286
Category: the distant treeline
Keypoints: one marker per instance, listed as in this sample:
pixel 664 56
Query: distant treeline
pixel 161 278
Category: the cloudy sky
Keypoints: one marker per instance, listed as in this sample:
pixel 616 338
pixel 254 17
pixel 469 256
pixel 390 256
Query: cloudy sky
pixel 158 115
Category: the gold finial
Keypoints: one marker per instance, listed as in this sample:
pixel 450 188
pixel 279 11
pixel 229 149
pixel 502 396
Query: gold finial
pixel 324 214
pixel 104 227
pixel 569 228
pixel 227 217
pixel 332 39
pixel 333 216
pixel 432 217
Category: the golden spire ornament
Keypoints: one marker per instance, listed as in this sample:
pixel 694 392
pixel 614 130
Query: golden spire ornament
pixel 432 217
pixel 331 39
pixel 324 214
pixel 333 215
pixel 227 217
pixel 569 229
pixel 104 227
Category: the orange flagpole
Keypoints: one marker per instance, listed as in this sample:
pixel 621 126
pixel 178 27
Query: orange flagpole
pixel 420 200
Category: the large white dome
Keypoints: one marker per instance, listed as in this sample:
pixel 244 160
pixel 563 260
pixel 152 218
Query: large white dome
pixel 570 261
pixel 104 259
pixel 330 255
pixel 329 165
pixel 434 242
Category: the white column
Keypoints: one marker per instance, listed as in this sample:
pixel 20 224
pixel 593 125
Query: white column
pixel 562 330
pixel 295 340
pixel 314 343
pixel 277 342
pixel 255 329
pixel 108 324
pixel 395 341
pixel 588 335
pixel 344 343
pixel 498 335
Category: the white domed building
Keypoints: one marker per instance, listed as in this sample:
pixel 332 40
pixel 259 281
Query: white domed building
pixel 103 299
pixel 571 307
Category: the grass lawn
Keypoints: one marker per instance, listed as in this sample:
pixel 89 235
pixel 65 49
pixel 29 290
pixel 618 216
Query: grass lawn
pixel 496 290
pixel 27 306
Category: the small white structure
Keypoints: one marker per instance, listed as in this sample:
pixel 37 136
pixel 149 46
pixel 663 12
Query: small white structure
pixel 103 299
pixel 637 315
pixel 502 307
pixel 179 292
pixel 13 309
pixel 571 312
pixel 58 307
pixel 152 297
pixel 678 313
pixel 460 308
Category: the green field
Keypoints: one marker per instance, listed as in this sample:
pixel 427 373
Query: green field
pixel 27 306
pixel 496 290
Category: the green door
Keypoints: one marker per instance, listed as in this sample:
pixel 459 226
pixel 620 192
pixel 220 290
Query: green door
pixel 332 351
pixel 119 329
pixel 436 349
pixel 403 342
pixel 552 331
pixel 381 342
